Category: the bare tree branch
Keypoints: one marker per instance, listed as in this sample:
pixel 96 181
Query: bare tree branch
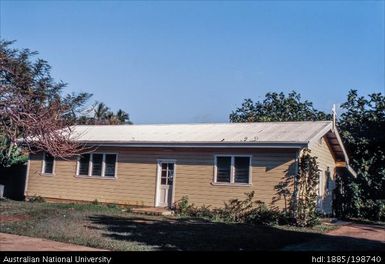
pixel 32 111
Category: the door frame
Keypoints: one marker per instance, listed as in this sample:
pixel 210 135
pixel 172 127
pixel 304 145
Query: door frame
pixel 320 191
pixel 158 176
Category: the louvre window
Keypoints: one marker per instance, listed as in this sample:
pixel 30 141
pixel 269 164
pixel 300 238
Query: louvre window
pixel 48 164
pixel 223 169
pixel 232 169
pixel 97 164
pixel 110 162
pixel 84 164
pixel 241 169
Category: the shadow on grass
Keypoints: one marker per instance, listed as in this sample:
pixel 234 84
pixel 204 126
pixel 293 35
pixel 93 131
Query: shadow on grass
pixel 188 234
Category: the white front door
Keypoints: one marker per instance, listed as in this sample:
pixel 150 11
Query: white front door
pixel 166 176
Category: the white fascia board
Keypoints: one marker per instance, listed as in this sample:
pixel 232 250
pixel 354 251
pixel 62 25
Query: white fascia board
pixel 199 145
pixel 350 169
pixel 314 139
pixel 342 146
pixel 323 132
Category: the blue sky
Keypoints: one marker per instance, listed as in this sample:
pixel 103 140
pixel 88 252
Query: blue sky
pixel 183 62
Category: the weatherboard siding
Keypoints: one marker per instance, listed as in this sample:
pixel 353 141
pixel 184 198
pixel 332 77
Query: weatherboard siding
pixel 137 173
pixel 325 159
pixel 324 154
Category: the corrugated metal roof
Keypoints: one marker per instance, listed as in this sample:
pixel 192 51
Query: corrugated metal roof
pixel 263 132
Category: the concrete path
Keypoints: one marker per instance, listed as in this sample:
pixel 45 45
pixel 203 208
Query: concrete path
pixel 348 237
pixel 10 242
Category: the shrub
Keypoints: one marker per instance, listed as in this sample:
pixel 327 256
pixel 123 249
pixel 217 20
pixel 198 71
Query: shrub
pixel 36 199
pixel 182 207
pixel 374 210
pixel 235 211
pixel 201 212
pixel 238 210
pixel 285 218
pixel 112 206
pixel 263 215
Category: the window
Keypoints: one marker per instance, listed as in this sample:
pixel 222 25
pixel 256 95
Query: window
pixel 48 163
pixel 241 169
pixel 223 169
pixel 84 164
pixel 233 169
pixel 97 164
pixel 321 186
pixel 110 165
pixel 328 180
pixel 167 175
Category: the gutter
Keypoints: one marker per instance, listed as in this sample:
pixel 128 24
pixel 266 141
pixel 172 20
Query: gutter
pixel 194 145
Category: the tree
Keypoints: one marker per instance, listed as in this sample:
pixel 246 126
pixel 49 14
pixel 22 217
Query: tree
pixel 103 116
pixel 362 127
pixel 76 104
pixel 304 199
pixel 299 191
pixel 12 156
pixel 278 107
pixel 101 111
pixel 32 108
pixel 123 117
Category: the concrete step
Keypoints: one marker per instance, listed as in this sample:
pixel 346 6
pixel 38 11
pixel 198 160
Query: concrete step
pixel 152 211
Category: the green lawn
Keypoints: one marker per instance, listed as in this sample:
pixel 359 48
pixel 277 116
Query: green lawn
pixel 114 228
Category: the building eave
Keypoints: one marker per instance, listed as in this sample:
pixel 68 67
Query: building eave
pixel 337 146
pixel 289 145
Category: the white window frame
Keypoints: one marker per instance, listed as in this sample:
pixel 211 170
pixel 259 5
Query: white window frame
pixel 43 166
pixel 328 180
pixel 232 170
pixel 90 165
pixel 320 197
pixel 321 182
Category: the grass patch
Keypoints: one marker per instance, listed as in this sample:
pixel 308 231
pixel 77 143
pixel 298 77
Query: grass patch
pixel 112 227
pixel 322 228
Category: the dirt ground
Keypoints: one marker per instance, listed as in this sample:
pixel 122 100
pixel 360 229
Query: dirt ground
pixel 349 237
pixel 370 232
pixel 10 242
pixel 12 218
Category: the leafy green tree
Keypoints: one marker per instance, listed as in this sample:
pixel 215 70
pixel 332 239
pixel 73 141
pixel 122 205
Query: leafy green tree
pixel 362 127
pixel 278 107
pixel 10 154
pixel 101 112
pixel 123 117
pixel 104 116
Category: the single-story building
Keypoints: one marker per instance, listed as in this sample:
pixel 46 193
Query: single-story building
pixel 156 165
